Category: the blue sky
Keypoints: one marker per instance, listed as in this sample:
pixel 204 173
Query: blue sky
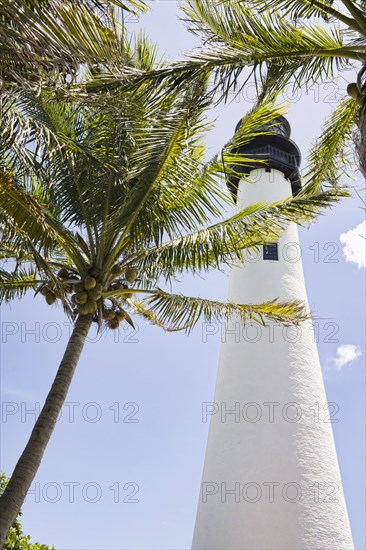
pixel 123 467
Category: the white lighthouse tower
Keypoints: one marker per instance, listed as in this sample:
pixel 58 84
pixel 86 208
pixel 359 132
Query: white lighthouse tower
pixel 271 478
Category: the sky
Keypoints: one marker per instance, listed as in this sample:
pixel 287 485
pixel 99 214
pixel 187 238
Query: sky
pixel 124 465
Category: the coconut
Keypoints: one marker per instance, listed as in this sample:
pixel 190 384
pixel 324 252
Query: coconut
pixel 99 287
pixel 63 273
pixel 113 324
pixel 94 294
pixel 108 314
pixel 89 283
pixel 120 315
pixel 90 306
pixel 45 290
pixel 50 298
pixel 82 309
pixel 78 287
pixel 117 270
pixel 131 274
pixel 81 298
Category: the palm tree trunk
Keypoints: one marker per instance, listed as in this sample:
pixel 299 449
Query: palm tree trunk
pixel 30 460
pixel 362 138
pixel 361 123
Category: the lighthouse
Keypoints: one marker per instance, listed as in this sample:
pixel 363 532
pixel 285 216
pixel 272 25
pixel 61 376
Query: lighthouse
pixel 271 478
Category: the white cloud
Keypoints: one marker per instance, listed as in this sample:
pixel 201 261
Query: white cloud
pixel 355 245
pixel 346 353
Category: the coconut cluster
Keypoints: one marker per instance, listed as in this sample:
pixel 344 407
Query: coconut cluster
pixel 49 295
pixel 114 317
pixel 49 290
pixel 87 292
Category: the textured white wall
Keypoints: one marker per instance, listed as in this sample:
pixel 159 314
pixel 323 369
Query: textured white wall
pixel 275 453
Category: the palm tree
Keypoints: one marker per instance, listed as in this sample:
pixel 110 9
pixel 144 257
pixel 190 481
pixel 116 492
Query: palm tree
pixel 43 39
pixel 98 203
pixel 276 42
pixel 99 193
pixel 282 41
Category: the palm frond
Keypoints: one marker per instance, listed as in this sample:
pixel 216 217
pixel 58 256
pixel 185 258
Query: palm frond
pixel 190 193
pixel 30 215
pixel 224 242
pixel 33 120
pixel 328 159
pixel 57 143
pixel 298 9
pixel 15 285
pixel 227 63
pixel 184 311
pixel 258 121
pixel 358 13
pixel 237 37
pixel 168 188
pixel 140 309
pixel 45 39
pixel 234 30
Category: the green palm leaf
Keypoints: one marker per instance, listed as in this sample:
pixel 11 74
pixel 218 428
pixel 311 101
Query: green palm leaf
pixel 225 242
pixel 40 39
pixel 30 215
pixel 16 285
pixel 177 310
pixel 298 9
pixel 140 309
pixel 329 159
pixel 237 37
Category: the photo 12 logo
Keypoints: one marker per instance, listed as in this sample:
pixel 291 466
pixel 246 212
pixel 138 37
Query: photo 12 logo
pixel 235 331
pixel 270 412
pixel 73 411
pixel 52 332
pixel 253 492
pixel 90 492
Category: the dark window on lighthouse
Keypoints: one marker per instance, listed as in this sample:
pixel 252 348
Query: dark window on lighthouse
pixel 270 251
